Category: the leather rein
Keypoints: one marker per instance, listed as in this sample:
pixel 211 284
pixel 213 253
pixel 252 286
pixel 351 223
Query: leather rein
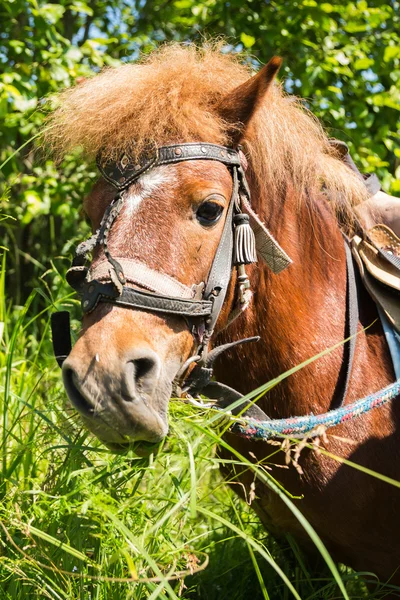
pixel 200 305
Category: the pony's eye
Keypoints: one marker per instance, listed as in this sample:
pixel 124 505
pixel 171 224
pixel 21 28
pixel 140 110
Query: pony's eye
pixel 208 213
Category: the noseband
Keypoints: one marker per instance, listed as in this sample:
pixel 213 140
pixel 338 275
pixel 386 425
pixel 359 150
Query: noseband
pixel 200 305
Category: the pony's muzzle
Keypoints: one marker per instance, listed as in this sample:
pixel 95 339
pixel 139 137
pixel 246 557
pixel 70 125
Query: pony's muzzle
pixel 118 401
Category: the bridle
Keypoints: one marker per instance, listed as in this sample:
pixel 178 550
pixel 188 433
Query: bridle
pixel 201 304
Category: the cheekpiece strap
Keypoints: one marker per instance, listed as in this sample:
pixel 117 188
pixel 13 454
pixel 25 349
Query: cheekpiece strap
pixel 123 172
pixel 221 268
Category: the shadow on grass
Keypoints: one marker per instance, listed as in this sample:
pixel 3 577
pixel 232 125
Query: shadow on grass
pixel 231 574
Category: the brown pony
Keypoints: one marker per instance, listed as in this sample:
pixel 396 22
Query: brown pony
pixel 120 372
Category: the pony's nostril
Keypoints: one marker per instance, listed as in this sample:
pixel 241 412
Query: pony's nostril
pixel 74 394
pixel 143 372
pixel 143 368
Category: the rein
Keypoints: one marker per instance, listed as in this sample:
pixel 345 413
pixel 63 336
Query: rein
pixel 313 425
pixel 200 305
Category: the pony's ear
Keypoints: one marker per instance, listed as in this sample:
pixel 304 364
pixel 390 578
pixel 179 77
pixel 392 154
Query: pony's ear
pixel 238 107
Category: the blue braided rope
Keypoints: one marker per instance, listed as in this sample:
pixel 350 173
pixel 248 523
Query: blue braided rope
pixel 307 426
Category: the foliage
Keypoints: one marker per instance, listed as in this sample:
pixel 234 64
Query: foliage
pixel 343 57
pixel 78 523
pixel 65 503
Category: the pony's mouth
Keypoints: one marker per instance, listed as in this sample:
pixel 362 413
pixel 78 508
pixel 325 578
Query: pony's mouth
pixel 142 449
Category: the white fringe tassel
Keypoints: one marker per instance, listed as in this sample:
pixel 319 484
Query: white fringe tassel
pixel 245 242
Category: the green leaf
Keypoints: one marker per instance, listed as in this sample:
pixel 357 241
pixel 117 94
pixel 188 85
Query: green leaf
pixel 51 12
pixel 74 54
pixel 81 7
pixel 361 64
pixel 326 7
pixel 247 40
pixel 3 106
pixel 12 90
pixel 181 4
pixel 56 542
pixel 18 46
pixel 59 73
pixel 34 206
pixel 391 52
pixel 24 104
pixel 341 58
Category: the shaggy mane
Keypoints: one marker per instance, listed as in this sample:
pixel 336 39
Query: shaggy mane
pixel 173 95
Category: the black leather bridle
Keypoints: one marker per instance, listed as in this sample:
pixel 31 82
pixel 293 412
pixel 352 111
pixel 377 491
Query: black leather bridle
pixel 122 175
pixel 202 311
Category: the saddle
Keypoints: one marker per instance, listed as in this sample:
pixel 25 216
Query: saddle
pixel 377 255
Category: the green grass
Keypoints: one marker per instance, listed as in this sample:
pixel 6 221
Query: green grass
pixel 77 522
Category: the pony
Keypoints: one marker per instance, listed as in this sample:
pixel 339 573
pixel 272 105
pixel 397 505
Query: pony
pixel 120 372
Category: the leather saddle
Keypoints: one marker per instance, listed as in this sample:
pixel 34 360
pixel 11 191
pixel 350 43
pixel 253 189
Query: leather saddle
pixel 377 255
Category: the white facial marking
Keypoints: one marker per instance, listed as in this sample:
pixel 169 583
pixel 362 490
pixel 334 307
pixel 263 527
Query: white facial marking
pixel 147 183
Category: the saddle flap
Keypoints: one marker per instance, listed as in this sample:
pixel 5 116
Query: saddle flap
pixel 387 243
pixel 378 265
pixel 380 277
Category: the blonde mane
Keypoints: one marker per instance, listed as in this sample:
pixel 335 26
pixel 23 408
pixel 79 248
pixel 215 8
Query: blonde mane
pixel 173 95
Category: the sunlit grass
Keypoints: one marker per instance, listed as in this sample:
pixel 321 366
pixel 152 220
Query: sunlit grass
pixel 80 523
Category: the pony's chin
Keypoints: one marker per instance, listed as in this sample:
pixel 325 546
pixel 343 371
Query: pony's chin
pixel 142 449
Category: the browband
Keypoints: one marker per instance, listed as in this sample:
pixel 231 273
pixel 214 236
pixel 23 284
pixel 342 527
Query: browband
pixel 122 173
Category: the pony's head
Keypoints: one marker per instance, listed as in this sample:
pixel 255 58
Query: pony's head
pixel 168 226
pixel 120 372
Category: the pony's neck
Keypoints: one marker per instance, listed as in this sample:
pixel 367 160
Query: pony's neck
pixel 300 313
